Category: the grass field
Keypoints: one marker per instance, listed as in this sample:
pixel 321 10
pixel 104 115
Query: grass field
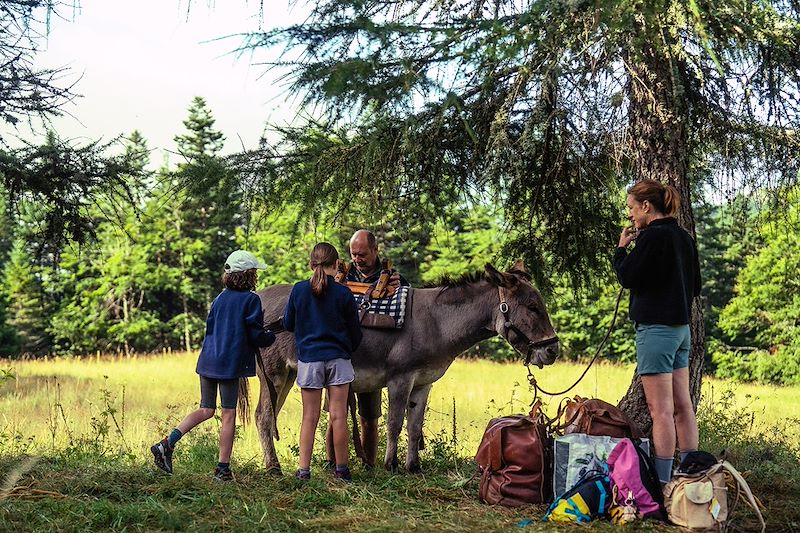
pixel 91 422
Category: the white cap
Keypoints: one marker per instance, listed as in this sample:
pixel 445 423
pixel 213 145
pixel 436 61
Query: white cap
pixel 241 261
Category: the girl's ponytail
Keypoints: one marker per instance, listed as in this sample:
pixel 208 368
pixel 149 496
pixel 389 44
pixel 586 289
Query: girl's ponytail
pixel 319 281
pixel 323 255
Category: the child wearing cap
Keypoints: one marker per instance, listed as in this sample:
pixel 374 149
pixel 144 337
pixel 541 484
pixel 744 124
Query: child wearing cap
pixel 324 318
pixel 234 332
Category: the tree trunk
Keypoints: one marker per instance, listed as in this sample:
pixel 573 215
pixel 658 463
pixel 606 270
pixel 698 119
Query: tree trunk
pixel 187 334
pixel 659 150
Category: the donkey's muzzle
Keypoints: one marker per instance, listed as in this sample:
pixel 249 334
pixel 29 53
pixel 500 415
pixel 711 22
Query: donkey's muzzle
pixel 544 352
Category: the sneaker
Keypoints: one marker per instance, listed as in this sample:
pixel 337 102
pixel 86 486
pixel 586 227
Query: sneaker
pixel 162 455
pixel 300 474
pixel 221 474
pixel 344 475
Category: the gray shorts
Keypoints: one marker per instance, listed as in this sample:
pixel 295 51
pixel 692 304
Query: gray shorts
pixel 228 392
pixel 661 349
pixel 321 374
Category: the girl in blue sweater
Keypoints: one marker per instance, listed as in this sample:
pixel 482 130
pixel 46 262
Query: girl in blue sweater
pixel 234 332
pixel 324 318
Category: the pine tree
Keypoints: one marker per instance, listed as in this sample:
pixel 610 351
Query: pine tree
pixel 25 307
pixel 551 105
pixel 190 227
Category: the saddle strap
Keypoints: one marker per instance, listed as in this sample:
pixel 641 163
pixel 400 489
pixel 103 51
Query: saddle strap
pixel 380 286
pixel 342 269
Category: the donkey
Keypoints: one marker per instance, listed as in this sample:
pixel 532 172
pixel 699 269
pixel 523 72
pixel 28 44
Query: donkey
pixel 440 323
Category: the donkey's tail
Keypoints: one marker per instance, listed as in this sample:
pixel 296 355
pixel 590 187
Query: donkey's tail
pixel 243 405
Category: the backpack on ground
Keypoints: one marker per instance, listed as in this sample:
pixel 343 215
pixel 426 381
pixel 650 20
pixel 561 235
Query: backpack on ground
pixel 573 454
pixel 596 417
pixel 515 460
pixel 590 498
pixel 697 497
pixel 633 475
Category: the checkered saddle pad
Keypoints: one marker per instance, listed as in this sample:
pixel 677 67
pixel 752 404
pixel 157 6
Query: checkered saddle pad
pixel 393 306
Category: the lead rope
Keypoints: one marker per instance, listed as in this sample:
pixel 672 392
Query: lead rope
pixel 532 379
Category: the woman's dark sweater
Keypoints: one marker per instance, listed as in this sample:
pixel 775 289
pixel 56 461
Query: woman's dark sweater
pixel 662 272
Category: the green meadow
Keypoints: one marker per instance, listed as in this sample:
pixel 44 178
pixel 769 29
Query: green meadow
pixel 48 401
pixel 75 433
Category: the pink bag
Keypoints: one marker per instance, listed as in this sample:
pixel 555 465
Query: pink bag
pixel 633 474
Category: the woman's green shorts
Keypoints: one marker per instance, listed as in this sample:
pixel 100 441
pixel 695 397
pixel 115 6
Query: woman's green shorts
pixel 661 349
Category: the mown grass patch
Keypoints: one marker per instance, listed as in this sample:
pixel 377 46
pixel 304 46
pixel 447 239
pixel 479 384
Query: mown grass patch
pixel 120 495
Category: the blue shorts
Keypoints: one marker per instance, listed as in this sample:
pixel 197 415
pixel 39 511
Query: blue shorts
pixel 661 349
pixel 321 374
pixel 228 392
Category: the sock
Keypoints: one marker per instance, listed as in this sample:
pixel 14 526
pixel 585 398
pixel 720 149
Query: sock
pixel 342 468
pixel 664 469
pixel 684 454
pixel 174 437
pixel 224 466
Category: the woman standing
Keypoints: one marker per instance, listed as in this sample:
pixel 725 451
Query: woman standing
pixel 324 318
pixel 663 274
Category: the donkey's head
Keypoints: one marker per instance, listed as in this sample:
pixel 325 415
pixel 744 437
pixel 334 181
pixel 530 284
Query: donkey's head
pixel 521 316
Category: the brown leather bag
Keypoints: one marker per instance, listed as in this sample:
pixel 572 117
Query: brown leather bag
pixel 596 417
pixel 515 460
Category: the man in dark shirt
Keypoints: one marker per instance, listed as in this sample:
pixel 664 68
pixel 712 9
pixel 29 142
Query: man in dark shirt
pixel 366 263
pixel 367 269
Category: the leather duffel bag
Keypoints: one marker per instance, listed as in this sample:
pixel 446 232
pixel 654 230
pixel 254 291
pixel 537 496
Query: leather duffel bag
pixel 596 417
pixel 515 460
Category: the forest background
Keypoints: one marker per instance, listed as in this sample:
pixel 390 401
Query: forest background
pixel 101 253
pixel 146 283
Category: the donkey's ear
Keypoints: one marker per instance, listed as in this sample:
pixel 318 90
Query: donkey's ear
pixel 496 277
pixel 519 265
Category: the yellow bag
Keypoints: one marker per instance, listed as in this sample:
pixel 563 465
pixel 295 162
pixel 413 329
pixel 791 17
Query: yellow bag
pixel 700 501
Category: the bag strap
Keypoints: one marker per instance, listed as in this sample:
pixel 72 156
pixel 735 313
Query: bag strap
pixel 562 411
pixel 752 500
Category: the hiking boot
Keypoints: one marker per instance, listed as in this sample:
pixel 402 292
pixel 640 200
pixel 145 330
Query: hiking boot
pixel 343 475
pixel 300 474
pixel 222 474
pixel 162 455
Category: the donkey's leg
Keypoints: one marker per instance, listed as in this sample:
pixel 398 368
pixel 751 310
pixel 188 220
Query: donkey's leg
pixel 266 414
pixel 415 415
pixel 399 391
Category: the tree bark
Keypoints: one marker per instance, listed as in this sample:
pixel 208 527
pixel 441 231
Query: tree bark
pixel 659 150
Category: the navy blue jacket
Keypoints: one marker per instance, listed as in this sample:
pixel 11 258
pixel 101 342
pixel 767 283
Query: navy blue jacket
pixel 325 327
pixel 662 272
pixel 234 331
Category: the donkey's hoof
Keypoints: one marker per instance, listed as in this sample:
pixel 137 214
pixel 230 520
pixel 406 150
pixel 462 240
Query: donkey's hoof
pixel 275 471
pixel 392 466
pixel 414 468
